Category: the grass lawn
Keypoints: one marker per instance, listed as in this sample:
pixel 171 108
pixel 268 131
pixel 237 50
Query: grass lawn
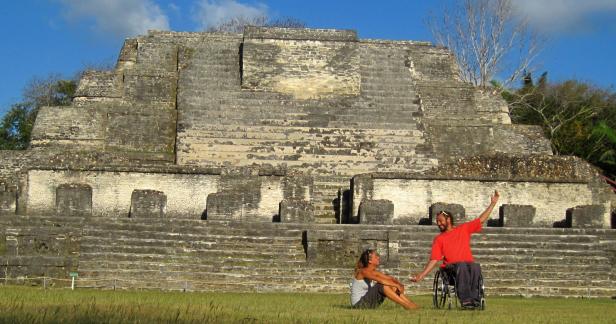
pixel 35 305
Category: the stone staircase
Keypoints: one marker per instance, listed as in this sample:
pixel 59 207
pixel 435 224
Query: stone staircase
pixel 36 247
pixel 524 261
pixel 220 123
pixel 194 255
pixel 197 255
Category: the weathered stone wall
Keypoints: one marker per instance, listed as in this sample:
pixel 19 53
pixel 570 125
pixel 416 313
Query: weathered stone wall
pixel 186 193
pixel 31 249
pixel 303 63
pixel 455 139
pixel 129 111
pixel 318 102
pixel 551 185
pixel 111 191
pixel 413 198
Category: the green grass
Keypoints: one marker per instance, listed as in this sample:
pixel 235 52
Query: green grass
pixel 35 305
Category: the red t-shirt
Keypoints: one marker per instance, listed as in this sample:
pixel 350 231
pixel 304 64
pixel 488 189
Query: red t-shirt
pixel 455 246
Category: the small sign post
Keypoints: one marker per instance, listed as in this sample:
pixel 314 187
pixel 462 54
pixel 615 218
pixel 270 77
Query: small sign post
pixel 73 276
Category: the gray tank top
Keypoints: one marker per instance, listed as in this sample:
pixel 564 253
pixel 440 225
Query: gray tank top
pixel 358 289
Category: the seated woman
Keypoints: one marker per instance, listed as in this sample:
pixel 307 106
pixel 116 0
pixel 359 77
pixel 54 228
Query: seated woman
pixel 365 294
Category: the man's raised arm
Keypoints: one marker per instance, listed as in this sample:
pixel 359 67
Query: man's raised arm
pixel 486 213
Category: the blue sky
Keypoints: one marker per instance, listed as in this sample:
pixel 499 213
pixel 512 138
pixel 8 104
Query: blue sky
pixel 40 37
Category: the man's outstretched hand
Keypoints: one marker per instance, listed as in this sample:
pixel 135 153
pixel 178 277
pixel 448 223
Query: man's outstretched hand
pixel 494 198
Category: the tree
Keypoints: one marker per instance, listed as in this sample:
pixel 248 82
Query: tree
pixel 16 125
pixel 487 38
pixel 578 118
pixel 237 24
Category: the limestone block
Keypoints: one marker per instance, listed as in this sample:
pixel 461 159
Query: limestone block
pixel 98 84
pixel 8 199
pixel 157 56
pixel 296 211
pixel 456 210
pixel 69 126
pixel 147 204
pixel 379 212
pixel 511 215
pixel 225 205
pixel 159 87
pixel 241 194
pixel 341 248
pixel 74 199
pixel 586 216
pixel 298 187
pixel 306 65
pixel 362 187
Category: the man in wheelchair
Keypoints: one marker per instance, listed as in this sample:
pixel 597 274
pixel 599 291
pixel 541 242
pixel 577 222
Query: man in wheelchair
pixel 453 247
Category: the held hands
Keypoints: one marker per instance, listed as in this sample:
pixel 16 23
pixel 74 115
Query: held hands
pixel 416 278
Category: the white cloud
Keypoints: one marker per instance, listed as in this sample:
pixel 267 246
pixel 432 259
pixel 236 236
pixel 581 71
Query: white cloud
pixel 120 18
pixel 553 16
pixel 210 13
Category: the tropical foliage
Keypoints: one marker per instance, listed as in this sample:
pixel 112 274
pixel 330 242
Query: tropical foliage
pixel 578 118
pixel 16 125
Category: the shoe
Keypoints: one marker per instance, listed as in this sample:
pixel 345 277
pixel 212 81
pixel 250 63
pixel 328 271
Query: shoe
pixel 468 304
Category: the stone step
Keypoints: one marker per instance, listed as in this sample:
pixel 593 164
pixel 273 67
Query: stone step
pixel 157 231
pixel 405 93
pixel 388 87
pixel 303 135
pixel 205 256
pixel 197 250
pixel 316 131
pixel 387 77
pixel 515 251
pixel 289 145
pixel 37 221
pixel 185 285
pixel 294 268
pixel 281 118
pixel 509 234
pixel 248 274
pixel 550 291
pixel 186 240
pixel 123 244
pixel 368 106
pixel 560 283
pixel 338 168
pixel 561 245
pixel 317 151
pixel 353 160
pixel 528 259
pixel 489 272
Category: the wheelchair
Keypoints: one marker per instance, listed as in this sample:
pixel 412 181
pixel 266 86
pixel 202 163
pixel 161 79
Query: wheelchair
pixel 444 290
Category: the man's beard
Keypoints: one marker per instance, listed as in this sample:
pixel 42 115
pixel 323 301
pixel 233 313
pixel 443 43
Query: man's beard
pixel 443 228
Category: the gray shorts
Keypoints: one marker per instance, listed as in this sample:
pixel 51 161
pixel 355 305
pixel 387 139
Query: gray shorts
pixel 373 298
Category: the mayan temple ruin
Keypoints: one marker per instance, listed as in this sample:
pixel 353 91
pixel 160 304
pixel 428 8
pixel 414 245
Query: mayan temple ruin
pixel 266 161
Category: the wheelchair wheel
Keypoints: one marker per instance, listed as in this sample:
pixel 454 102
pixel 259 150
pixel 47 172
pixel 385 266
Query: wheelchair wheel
pixel 440 291
pixel 482 295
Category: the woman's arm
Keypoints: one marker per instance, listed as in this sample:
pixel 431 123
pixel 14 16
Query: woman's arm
pixel 382 279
